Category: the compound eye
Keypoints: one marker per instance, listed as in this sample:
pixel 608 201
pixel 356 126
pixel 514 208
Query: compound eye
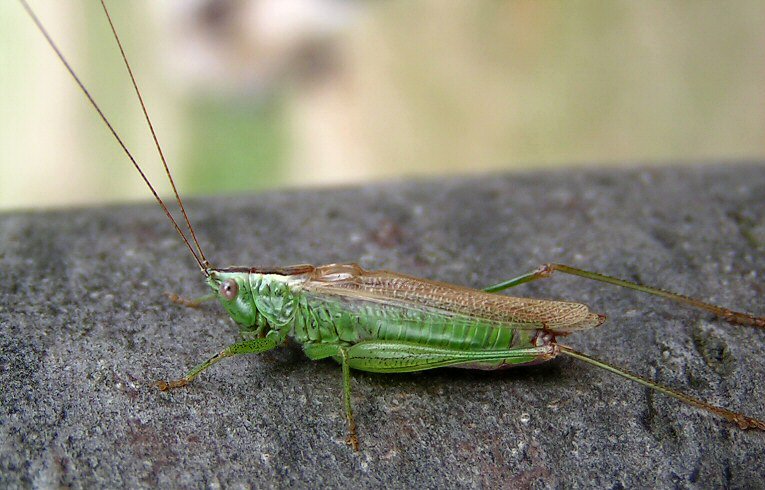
pixel 229 289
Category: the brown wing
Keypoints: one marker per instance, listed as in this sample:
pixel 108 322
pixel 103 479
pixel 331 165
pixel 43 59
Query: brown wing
pixel 351 281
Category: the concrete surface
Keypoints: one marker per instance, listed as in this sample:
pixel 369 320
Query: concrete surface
pixel 85 328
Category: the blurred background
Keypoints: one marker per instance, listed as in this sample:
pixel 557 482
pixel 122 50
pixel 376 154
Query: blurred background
pixel 255 94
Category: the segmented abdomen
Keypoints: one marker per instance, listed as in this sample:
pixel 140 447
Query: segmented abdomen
pixel 337 319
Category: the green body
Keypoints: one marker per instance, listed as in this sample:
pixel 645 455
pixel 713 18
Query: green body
pixel 386 322
pixel 389 322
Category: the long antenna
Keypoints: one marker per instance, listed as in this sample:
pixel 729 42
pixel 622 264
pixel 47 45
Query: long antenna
pixel 103 117
pixel 154 135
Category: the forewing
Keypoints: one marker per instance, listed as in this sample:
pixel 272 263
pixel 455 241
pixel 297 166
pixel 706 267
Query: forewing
pixel 349 283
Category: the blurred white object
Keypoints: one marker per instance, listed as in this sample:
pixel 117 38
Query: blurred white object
pixel 249 45
pixel 415 87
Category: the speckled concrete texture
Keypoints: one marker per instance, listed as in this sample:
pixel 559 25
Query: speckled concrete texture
pixel 85 329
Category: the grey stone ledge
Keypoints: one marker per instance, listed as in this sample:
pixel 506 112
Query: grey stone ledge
pixel 85 328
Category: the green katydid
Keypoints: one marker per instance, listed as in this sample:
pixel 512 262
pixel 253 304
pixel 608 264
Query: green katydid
pixel 379 321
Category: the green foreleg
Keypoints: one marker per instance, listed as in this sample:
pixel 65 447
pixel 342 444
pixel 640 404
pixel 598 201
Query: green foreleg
pixel 251 346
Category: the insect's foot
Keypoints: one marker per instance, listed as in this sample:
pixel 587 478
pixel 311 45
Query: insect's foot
pixel 168 385
pixel 745 422
pixel 353 441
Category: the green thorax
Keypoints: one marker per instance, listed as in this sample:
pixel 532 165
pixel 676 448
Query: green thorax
pixel 263 303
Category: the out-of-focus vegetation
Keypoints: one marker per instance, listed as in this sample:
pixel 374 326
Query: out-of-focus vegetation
pixel 268 93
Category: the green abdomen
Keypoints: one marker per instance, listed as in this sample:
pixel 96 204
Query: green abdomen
pixel 320 320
